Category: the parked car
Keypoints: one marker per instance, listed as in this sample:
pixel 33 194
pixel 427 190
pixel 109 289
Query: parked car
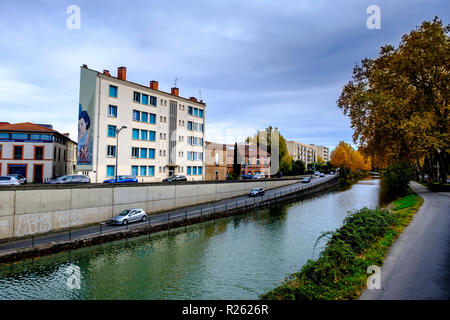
pixel 316 173
pixel 9 181
pixel 306 180
pixel 322 174
pixel 73 178
pixel 130 215
pixel 19 177
pixel 256 192
pixel 175 178
pixel 258 176
pixel 122 179
pixel 331 172
pixel 247 176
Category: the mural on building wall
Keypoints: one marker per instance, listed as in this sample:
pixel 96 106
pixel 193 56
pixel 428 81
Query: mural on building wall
pixel 86 113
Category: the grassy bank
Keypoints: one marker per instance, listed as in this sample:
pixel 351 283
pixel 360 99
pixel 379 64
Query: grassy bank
pixel 340 270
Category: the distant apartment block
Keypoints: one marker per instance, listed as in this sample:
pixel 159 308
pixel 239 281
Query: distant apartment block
pixel 164 132
pixel 216 161
pixel 323 152
pixel 301 151
pixel 35 151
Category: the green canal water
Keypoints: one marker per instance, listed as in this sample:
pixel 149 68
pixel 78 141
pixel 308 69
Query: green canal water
pixel 238 257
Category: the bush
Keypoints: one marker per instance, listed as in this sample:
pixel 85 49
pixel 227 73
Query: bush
pixel 395 181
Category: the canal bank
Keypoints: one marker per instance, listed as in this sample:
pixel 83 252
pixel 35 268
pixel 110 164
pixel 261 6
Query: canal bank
pixel 237 257
pixel 94 235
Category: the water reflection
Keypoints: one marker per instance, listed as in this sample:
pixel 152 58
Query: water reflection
pixel 232 258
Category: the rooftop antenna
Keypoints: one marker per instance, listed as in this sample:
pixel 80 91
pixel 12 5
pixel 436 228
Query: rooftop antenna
pixel 199 95
pixel 175 82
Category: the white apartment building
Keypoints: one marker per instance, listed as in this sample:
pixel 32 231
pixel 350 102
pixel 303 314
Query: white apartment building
pixel 140 129
pixel 323 152
pixel 300 151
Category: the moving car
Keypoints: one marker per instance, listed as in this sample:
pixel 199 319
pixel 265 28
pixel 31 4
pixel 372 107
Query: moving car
pixel 130 215
pixel 175 178
pixel 122 179
pixel 306 180
pixel 19 177
pixel 322 174
pixel 73 178
pixel 9 181
pixel 256 192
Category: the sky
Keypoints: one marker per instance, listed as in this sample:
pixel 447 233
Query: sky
pixel 255 63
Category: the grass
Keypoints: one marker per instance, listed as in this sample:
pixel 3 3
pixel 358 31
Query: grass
pixel 340 270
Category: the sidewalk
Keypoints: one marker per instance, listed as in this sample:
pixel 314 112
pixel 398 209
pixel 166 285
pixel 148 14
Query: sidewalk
pixel 418 264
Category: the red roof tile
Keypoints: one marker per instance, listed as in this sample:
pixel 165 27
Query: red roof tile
pixel 25 126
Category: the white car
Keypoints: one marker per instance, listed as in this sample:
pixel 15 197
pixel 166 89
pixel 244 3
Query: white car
pixel 316 173
pixel 9 181
pixel 130 215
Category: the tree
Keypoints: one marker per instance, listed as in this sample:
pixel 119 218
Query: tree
pixel 398 103
pixel 349 160
pixel 285 160
pixel 298 167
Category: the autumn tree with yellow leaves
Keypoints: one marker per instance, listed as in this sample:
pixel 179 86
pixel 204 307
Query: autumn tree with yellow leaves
pixel 348 159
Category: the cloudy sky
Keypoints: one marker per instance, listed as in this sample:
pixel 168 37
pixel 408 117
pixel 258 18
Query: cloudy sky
pixel 256 62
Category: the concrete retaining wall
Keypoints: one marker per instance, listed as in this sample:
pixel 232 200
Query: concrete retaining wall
pixel 29 210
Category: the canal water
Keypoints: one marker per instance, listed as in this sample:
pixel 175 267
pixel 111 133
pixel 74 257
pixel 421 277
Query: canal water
pixel 238 257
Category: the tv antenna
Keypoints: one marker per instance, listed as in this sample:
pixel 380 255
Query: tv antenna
pixel 199 95
pixel 175 82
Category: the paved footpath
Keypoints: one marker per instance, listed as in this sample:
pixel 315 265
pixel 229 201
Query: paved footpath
pixel 418 264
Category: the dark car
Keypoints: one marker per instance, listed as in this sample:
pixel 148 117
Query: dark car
pixel 19 177
pixel 73 178
pixel 175 178
pixel 247 176
pixel 122 179
pixel 306 180
pixel 256 192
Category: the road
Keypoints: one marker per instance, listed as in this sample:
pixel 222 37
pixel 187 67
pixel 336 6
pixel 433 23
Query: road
pixel 158 219
pixel 418 264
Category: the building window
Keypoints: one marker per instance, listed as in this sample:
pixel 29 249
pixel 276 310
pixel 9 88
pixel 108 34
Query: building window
pixel 111 131
pixel 134 170
pixel 110 171
pixel 153 101
pixel 113 91
pixel 200 113
pixel 189 171
pixel 111 151
pixel 152 118
pixel 20 136
pixel 194 171
pixel 151 136
pixel 18 152
pixel 144 134
pixel 144 116
pixel 151 153
pixel 134 152
pixel 144 99
pixel 200 169
pixel 112 111
pixel 137 97
pixel 135 134
pixel 143 171
pixel 151 170
pixel 257 162
pixel 38 153
pixel 143 153
pixel 136 115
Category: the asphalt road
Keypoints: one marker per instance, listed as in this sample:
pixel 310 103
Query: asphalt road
pixel 418 264
pixel 158 219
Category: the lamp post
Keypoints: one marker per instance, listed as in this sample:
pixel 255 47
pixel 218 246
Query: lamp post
pixel 117 149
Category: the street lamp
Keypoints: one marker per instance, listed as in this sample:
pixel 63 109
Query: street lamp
pixel 117 149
